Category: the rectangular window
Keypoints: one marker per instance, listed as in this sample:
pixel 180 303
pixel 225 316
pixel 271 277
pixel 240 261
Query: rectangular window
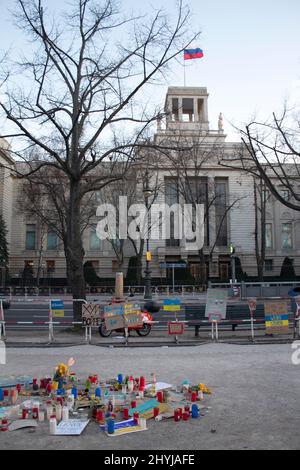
pixel 287 236
pixel 188 110
pixel 52 240
pixel 269 236
pixel 50 266
pixel 196 192
pixel 221 212
pixel 172 197
pixel 30 241
pixel 95 242
pixel 285 194
pixel 175 109
pixel 268 265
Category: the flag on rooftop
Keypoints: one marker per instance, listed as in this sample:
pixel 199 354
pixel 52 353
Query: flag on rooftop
pixel 193 54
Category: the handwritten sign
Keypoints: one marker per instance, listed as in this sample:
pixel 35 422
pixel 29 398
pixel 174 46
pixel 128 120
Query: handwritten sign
pixel 277 318
pixel 73 427
pixel 175 328
pixel 90 315
pixel 121 316
pixel 216 304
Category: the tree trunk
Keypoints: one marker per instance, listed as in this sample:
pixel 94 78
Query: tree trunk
pixel 74 250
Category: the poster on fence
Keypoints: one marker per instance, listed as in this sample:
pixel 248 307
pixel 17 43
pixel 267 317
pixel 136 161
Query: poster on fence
pixel 276 318
pixel 121 316
pixel 216 304
pixel 90 315
pixel 57 308
pixel 175 328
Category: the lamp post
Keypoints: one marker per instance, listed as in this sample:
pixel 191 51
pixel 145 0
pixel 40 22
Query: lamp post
pixel 147 194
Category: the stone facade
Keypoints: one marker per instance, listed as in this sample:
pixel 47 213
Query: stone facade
pixel 186 120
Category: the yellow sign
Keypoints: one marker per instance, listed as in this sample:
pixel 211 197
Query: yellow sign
pixel 149 256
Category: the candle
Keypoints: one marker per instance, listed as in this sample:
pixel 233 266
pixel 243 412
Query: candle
pixel 126 413
pixel 124 389
pixel 160 397
pixel 110 426
pixel 143 423
pixel 24 413
pixel 186 416
pixel 195 411
pixel 180 412
pixel 120 379
pixel 35 413
pixel 136 417
pixel 65 413
pixel 130 386
pixel 155 412
pixel 58 412
pixel 4 425
pixel 176 416
pixel 53 425
pixel 18 387
pixel 98 392
pixel 49 410
pixel 133 404
pixel 14 397
pixel 1 395
pixel 41 416
pixel 194 397
pixel 100 416
pixel 75 393
pixel 142 382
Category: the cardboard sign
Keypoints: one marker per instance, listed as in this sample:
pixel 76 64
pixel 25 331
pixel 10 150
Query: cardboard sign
pixel 175 328
pixel 277 318
pixel 90 315
pixel 172 305
pixel 216 304
pixel 114 322
pixel 57 308
pixel 121 316
pixel 73 427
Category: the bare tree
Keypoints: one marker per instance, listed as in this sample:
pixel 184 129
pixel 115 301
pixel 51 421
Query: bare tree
pixel 78 106
pixel 270 151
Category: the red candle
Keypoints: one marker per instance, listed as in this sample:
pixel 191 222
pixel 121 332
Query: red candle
pixel 136 417
pixel 187 409
pixel 176 416
pixel 4 425
pixel 18 387
pixel 155 412
pixel 194 397
pixel 159 397
pixel 186 416
pixel 142 382
pixel 180 412
pixel 6 393
pixel 133 404
pixel 35 413
pixel 100 416
pixel 24 414
pixel 126 413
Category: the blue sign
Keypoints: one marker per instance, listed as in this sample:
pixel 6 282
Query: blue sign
pixel 172 265
pixel 172 305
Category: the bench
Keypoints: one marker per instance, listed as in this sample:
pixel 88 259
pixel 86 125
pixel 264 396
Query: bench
pixel 195 315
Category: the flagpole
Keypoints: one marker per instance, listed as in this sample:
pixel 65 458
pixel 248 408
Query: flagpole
pixel 184 73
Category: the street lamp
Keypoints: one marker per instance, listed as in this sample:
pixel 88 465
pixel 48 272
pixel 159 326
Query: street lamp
pixel 147 194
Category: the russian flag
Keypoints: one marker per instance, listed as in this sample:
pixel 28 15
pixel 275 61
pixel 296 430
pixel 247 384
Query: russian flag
pixel 193 54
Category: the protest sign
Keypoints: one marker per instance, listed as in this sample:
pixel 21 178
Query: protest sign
pixel 73 427
pixel 57 308
pixel 216 304
pixel 276 317
pixel 90 315
pixel 175 328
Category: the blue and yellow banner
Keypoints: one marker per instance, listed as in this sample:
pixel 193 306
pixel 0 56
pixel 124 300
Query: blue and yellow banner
pixel 57 308
pixel 172 305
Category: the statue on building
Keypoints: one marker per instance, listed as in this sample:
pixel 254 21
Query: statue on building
pixel 221 123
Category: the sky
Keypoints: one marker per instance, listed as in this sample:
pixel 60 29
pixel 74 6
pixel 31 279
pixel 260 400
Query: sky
pixel 251 50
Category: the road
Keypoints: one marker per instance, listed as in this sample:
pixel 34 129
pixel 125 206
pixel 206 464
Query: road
pixel 34 311
pixel 253 406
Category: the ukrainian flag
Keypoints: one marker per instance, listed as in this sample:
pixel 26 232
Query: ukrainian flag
pixel 172 305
